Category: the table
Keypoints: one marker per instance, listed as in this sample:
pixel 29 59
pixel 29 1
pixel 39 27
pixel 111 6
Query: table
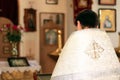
pixel 18 73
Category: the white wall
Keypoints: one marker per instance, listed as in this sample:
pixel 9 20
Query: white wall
pixel 30 40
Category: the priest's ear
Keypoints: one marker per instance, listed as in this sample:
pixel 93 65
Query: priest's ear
pixel 79 27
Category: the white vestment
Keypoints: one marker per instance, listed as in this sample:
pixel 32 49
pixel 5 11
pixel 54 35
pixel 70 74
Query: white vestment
pixel 87 55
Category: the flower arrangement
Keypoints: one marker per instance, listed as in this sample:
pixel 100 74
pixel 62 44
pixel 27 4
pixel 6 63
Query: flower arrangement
pixel 13 33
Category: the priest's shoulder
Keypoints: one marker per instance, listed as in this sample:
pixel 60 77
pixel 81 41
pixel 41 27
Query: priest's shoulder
pixel 79 33
pixel 87 33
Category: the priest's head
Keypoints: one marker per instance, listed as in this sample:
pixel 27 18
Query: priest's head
pixel 87 18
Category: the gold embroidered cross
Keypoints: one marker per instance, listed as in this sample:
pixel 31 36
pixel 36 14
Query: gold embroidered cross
pixel 94 50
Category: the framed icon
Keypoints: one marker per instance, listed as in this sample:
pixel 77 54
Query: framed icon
pixel 30 20
pixel 107 19
pixel 18 62
pixel 51 36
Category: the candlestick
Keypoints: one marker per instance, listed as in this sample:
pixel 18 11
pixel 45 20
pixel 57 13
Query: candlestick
pixel 58 50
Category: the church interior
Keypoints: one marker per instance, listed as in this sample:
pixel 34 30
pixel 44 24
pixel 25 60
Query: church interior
pixel 42 27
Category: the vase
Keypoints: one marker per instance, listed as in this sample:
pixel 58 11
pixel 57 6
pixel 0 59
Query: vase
pixel 14 49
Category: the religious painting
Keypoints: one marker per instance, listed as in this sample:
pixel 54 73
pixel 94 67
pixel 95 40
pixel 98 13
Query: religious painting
pixel 30 20
pixel 80 5
pixel 57 18
pixel 18 62
pixel 107 19
pixel 107 2
pixel 51 36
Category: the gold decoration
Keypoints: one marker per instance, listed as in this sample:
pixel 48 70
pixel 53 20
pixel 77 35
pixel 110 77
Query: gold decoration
pixel 95 50
pixel 58 50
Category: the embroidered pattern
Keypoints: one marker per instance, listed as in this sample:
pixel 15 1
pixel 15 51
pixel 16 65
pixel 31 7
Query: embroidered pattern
pixel 94 50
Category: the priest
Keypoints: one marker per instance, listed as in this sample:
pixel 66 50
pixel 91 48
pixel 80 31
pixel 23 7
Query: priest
pixel 88 53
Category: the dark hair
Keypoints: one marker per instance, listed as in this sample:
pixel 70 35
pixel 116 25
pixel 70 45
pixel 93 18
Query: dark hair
pixel 87 18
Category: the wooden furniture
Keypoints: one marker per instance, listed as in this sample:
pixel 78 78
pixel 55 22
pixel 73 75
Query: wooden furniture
pixel 49 45
pixel 5 46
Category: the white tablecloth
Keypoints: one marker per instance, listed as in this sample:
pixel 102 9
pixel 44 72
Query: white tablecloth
pixel 34 66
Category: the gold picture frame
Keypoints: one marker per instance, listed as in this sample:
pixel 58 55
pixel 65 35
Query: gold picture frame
pixel 107 2
pixel 107 19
